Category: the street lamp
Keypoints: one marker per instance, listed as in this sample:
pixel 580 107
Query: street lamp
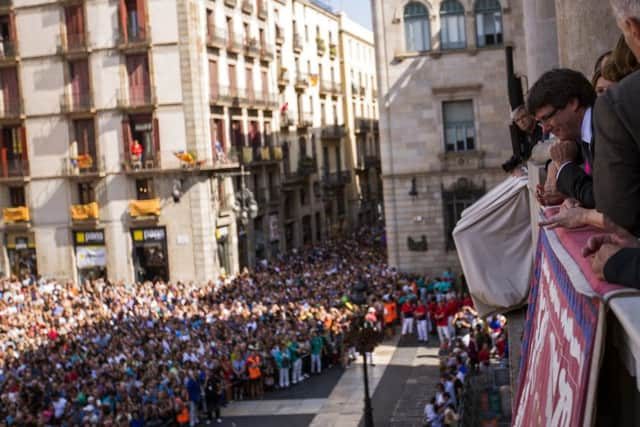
pixel 365 338
pixel 245 206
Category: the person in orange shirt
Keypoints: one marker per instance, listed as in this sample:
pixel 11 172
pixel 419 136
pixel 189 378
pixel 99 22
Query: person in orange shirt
pixel 183 413
pixel 390 315
pixel 255 375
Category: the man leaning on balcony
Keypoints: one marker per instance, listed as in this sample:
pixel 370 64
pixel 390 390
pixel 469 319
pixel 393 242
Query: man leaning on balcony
pixel 616 256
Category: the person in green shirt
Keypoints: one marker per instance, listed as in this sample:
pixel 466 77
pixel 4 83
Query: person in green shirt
pixel 296 363
pixel 317 345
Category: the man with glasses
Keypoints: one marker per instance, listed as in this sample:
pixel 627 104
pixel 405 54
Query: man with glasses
pixel 527 134
pixel 561 101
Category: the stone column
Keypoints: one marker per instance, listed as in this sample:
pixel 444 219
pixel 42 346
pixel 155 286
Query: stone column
pixel 586 29
pixel 540 37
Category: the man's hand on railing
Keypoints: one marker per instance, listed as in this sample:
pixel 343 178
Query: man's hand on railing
pixel 604 246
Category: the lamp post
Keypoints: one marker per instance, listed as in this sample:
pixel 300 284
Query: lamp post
pixel 245 206
pixel 365 338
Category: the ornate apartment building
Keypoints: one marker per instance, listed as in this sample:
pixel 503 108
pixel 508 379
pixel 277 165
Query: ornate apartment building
pixel 444 115
pixel 168 138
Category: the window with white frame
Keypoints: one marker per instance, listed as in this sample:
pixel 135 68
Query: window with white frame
pixel 459 127
pixel 452 32
pixel 416 27
pixel 488 23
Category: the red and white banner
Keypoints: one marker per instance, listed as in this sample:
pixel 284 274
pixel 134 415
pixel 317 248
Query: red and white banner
pixel 562 342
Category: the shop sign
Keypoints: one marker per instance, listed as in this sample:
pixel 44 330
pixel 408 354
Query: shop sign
pixel 22 242
pixel 148 234
pixel 91 256
pixel 89 237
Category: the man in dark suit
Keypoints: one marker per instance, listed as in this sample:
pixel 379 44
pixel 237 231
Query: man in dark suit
pixel 617 168
pixel 561 101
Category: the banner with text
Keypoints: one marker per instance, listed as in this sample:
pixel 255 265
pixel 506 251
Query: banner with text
pixel 561 341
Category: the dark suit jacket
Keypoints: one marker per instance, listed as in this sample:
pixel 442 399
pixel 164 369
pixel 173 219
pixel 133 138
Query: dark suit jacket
pixel 623 268
pixel 616 169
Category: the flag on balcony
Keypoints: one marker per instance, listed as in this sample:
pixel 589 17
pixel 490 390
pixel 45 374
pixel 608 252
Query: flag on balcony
pixel 313 79
pixel 144 207
pixel 185 157
pixel 284 108
pixel 82 212
pixel 17 214
pixel 84 161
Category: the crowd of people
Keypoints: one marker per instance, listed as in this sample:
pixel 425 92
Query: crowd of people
pixel 594 171
pixel 154 354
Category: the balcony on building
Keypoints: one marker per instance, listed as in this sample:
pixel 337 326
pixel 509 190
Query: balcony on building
pixel 279 35
pixel 73 45
pixel 326 87
pixel 239 96
pixel 275 195
pixel 266 52
pixel 321 46
pixel 219 94
pixel 216 37
pixel 141 145
pixel 77 103
pixel 85 214
pixel 335 89
pixel 286 120
pixel 307 166
pixel 251 47
pixel 14 159
pixel 305 120
pixel 136 98
pixel 333 50
pixel 234 42
pixel 362 125
pixel 333 132
pixel 17 215
pixel 302 81
pixel 85 166
pixel 336 179
pixel 263 12
pixel 283 76
pixel 11 109
pixel 144 209
pixel 297 43
pixel 135 39
pixel 247 6
pixel 8 52
pixel 231 3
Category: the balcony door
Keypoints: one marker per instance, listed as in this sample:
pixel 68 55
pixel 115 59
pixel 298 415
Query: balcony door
pixel 138 73
pixel 85 139
pixel 79 73
pixel 74 19
pixel 13 151
pixel 233 80
pixel 7 32
pixel 213 79
pixel 132 20
pixel 10 92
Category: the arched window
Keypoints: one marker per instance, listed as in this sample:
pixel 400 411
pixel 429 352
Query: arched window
pixel 416 27
pixel 452 34
pixel 488 23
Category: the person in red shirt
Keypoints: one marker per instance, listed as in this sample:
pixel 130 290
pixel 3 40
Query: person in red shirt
pixel 421 319
pixel 466 300
pixel 432 307
pixel 451 308
pixel 407 317
pixel 442 324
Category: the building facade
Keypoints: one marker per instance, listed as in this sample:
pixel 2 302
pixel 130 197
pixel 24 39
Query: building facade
pixel 167 139
pixel 361 111
pixel 444 115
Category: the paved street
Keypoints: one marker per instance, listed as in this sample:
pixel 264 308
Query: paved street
pixel 403 378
